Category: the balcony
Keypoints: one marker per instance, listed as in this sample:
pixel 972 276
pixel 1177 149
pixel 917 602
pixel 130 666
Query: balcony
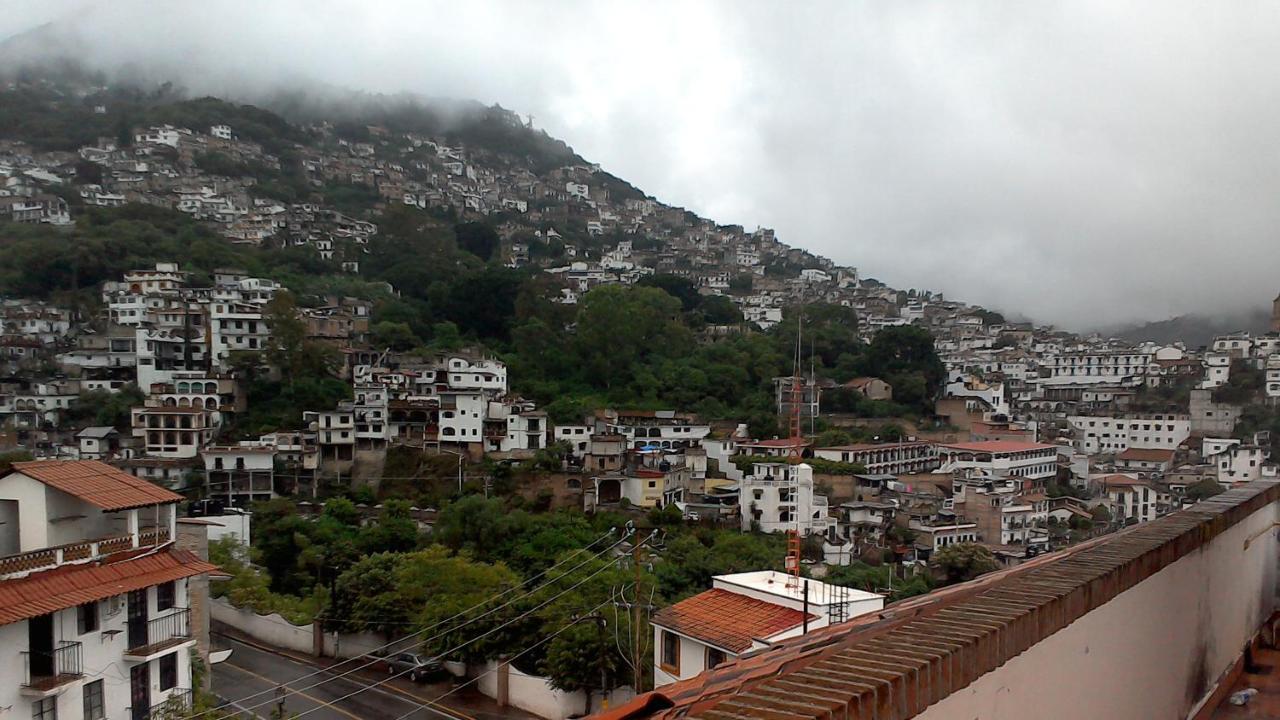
pixel 158 635
pixel 43 672
pixel 51 557
pixel 176 705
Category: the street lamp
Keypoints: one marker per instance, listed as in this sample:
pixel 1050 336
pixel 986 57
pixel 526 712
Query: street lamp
pixel 460 456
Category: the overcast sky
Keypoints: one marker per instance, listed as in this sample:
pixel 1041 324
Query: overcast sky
pixel 1082 163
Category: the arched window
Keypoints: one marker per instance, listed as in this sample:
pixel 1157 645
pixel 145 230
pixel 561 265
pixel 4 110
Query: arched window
pixel 184 387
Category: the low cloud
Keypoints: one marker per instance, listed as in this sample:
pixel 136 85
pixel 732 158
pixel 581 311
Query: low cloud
pixel 1085 164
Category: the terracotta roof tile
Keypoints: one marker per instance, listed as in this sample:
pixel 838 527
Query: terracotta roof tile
pixel 72 585
pixel 1146 455
pixel 727 620
pixel 97 483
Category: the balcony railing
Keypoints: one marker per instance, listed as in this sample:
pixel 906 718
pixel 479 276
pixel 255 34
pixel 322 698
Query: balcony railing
pixel 50 557
pixel 176 705
pixel 47 669
pixel 163 632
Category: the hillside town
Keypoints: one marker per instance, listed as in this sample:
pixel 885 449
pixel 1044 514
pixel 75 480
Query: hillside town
pixel 122 423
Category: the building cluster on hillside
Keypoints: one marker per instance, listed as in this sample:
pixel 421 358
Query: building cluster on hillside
pixel 1041 429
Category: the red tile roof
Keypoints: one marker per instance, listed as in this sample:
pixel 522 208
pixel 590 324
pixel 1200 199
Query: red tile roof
pixel 727 620
pixel 97 483
pixel 72 585
pixel 1146 455
pixel 998 446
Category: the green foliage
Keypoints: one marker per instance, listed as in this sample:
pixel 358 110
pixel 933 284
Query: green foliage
pixel 394 335
pixel 1244 384
pixel 862 576
pixel 249 588
pixel 479 239
pixel 692 558
pixel 904 357
pixel 1204 490
pixel 963 562
pixel 7 459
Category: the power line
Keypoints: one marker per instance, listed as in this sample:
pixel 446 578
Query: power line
pixel 508 661
pixel 413 635
pixel 460 646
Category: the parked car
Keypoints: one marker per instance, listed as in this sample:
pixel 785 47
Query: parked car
pixel 414 666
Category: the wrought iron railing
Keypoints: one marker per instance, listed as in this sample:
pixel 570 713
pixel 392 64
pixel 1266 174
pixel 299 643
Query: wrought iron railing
pixel 168 629
pixel 50 668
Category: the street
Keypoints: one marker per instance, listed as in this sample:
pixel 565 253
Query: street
pixel 252 669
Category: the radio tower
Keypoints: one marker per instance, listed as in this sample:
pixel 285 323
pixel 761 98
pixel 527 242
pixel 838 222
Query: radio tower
pixel 797 397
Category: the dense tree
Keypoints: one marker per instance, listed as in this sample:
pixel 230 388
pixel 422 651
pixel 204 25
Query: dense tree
pixel 963 562
pixel 479 239
pixel 1204 490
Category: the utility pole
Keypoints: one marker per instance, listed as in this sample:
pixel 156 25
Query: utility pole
pixel 635 614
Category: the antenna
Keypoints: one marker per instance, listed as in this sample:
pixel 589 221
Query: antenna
pixel 797 396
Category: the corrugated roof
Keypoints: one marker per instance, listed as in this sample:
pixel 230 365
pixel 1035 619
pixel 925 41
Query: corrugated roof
pixel 97 483
pixel 727 619
pixel 72 585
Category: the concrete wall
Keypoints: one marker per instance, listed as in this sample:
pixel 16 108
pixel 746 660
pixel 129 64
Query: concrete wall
pixel 534 694
pixel 270 629
pixel 1152 652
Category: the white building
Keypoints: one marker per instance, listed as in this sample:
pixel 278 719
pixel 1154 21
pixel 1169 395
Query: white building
pixel 95 618
pixel 1122 367
pixel 1034 462
pixel 1234 461
pixel 745 612
pixel 239 475
pixel 778 497
pixel 1273 377
pixel 1217 369
pixel 1133 500
pixel 1100 434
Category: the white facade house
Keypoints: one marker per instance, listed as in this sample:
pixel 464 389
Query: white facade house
pixel 1234 461
pixel 577 436
pixel 1124 367
pixel 778 497
pixel 239 475
pixel 1101 434
pixel 1000 459
pixel 1273 377
pixel 744 612
pixel 95 617
pixel 1217 369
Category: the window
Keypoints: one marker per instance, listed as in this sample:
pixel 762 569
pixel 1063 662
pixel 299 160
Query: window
pixel 93 704
pixel 670 651
pixel 169 671
pixel 164 595
pixel 87 617
pixel 715 656
pixel 46 709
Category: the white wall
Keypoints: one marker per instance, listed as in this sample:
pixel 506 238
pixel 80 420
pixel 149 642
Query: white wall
pixel 534 694
pixel 271 629
pixel 1122 660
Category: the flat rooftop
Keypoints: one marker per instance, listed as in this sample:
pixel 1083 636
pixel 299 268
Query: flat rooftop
pixel 784 586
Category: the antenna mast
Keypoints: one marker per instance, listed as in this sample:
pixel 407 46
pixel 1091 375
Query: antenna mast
pixel 797 397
